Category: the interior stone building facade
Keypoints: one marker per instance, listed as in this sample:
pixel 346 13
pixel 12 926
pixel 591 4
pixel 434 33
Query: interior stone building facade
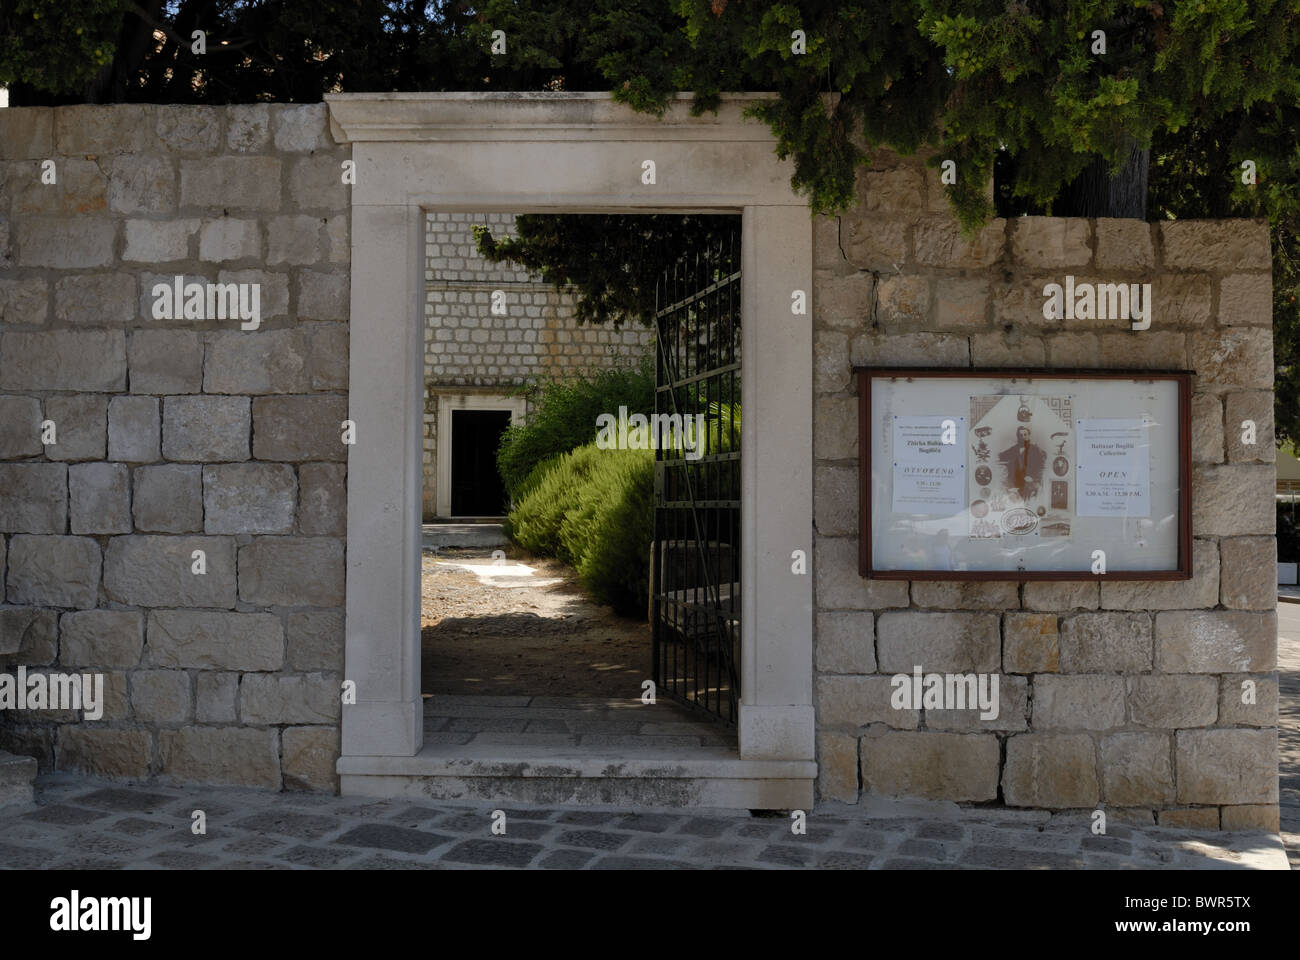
pixel 176 436
pixel 477 358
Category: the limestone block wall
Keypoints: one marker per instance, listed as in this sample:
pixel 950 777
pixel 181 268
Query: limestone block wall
pixel 1125 696
pixel 471 350
pixel 175 436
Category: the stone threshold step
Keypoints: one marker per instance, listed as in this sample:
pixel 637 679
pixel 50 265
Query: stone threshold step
pixel 538 775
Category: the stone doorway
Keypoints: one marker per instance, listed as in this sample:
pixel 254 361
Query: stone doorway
pixel 416 153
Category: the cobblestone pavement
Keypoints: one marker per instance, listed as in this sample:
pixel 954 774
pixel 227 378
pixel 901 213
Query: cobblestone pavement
pixel 83 824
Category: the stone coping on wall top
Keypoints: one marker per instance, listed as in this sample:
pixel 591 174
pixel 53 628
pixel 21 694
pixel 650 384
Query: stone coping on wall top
pixel 535 115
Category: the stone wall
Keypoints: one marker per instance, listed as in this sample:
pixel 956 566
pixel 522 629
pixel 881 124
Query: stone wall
pixel 1123 695
pixel 469 350
pixel 175 436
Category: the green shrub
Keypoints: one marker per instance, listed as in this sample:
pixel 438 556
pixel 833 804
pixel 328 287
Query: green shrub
pixel 594 510
pixel 563 418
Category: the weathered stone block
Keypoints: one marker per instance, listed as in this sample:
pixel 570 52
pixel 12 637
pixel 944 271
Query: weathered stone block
pixel 316 183
pixel 157 241
pixel 20 428
pixel 837 767
pixel 1050 770
pixel 1136 769
pixel 168 499
pixel 99 498
pixel 322 500
pixel 186 128
pixel 292 572
pixel 1194 641
pixel 1167 702
pixel 910 349
pixel 1192 818
pixel 26 133
pixel 310 756
pixel 323 296
pixel 1051 241
pixel 65 243
pixel 261 361
pixel 315 640
pixel 133 429
pixel 1030 643
pixel 161 696
pixel 300 127
pixel 228 239
pixel 1143 349
pixel 249 498
pixel 270 698
pixel 1200 591
pixel 1221 246
pixel 1007 350
pixel 101 638
pixel 1072 349
pixel 231 755
pixel 938 642
pixel 248 127
pixel 234 183
pixel 1249 701
pixel 97 299
pixel 104 129
pixel 1124 244
pixel 104 752
pixel 206 429
pixel 212 640
pixel 165 361
pixel 299 428
pixel 1083 595
pixel 293 239
pixel 1249 567
pixel 939 243
pixel 966 595
pixel 1226 766
pixel 1207 428
pixel 897 192
pixel 959 303
pixel 1243 410
pixel 1256 816
pixel 1234 500
pixel 1081 702
pixel 23 301
pixel 903 301
pixel 29 635
pixel 933 766
pixel 141 185
pixel 843 302
pixel 845 642
pixel 54 571
pixel 1246 299
pixel 329 356
pixel 89 360
pixel 215 697
pixel 274 296
pixel 859 701
pixel 80 426
pixel 831 370
pixel 835 499
pixel 1181 300
pixel 869 243
pixel 1233 357
pixel 149 571
pixel 1012 710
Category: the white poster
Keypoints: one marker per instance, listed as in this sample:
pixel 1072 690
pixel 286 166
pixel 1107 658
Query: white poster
pixel 1114 469
pixel 929 456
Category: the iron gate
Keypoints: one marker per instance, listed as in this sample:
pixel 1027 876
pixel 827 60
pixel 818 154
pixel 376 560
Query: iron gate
pixel 695 560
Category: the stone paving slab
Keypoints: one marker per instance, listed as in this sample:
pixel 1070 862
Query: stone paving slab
pixel 81 823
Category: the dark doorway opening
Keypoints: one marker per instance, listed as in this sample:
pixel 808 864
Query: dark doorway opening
pixel 476 487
